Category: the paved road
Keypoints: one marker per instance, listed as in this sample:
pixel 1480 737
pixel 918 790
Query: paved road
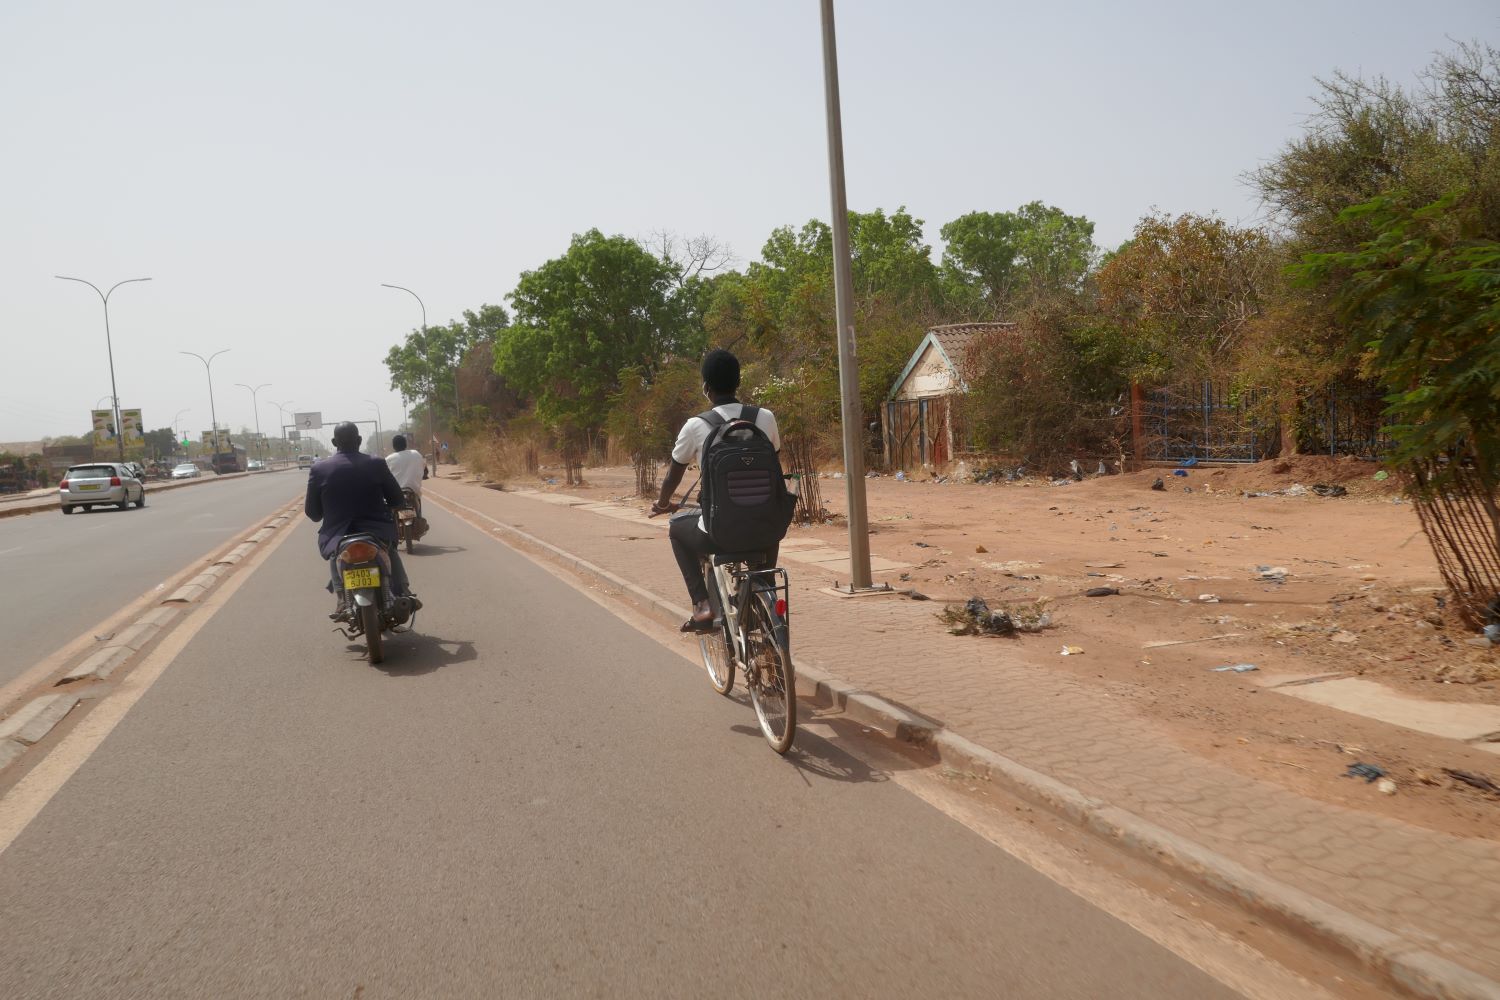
pixel 530 798
pixel 62 575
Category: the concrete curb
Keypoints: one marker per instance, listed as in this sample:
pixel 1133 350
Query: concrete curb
pixel 1417 971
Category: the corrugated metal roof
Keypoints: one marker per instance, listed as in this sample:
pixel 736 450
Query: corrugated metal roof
pixel 955 338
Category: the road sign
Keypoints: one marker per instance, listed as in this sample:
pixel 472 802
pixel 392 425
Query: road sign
pixel 310 421
pixel 294 435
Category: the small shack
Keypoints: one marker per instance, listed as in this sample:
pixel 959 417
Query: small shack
pixel 919 418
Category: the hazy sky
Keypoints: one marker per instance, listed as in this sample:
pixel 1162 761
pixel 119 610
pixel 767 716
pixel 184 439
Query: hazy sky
pixel 269 164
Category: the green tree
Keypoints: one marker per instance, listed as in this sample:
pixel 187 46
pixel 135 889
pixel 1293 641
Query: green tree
pixel 161 442
pixel 1182 294
pixel 605 305
pixel 995 257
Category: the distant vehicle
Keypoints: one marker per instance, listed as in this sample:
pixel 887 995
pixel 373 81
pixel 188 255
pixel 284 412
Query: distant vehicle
pixel 305 461
pixel 233 460
pixel 136 469
pixel 100 483
pixel 255 465
pixel 187 470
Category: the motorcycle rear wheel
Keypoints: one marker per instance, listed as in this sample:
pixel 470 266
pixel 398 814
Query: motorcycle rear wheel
pixel 369 619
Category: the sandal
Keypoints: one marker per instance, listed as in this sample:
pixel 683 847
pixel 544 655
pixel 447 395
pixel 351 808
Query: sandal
pixel 693 625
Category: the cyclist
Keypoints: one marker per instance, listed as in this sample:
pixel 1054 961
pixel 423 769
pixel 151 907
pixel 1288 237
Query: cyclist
pixel 690 542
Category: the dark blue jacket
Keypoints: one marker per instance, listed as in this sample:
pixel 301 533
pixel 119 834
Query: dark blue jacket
pixel 351 493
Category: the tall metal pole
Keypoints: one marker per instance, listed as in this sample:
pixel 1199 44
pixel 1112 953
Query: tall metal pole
pixel 432 389
pixel 212 412
pixel 378 444
pixel 843 291
pixel 284 408
pixel 109 345
pixel 256 403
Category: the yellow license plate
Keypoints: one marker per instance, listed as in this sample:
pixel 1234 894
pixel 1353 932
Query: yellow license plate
pixel 357 579
pixel 90 486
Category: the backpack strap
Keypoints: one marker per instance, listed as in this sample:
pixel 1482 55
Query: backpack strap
pixel 748 411
pixel 716 422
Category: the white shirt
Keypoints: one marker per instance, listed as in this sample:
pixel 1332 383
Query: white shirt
pixel 407 466
pixel 694 435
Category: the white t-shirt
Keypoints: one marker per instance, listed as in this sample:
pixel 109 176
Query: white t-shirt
pixel 407 466
pixel 694 435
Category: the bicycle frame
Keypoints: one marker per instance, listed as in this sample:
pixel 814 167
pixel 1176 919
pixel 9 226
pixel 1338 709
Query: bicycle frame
pixel 740 585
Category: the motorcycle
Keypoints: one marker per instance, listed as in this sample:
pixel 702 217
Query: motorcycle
pixel 410 524
pixel 370 606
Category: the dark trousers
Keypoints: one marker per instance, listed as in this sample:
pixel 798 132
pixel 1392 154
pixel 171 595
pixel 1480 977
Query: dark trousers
pixel 691 545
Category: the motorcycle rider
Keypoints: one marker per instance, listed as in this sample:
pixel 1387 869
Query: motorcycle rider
pixel 353 493
pixel 409 468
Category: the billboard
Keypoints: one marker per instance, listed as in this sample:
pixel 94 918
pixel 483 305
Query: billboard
pixel 310 421
pixel 207 440
pixel 132 428
pixel 104 427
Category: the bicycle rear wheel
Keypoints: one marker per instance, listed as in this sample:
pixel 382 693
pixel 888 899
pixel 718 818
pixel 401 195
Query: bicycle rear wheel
pixel 717 659
pixel 768 673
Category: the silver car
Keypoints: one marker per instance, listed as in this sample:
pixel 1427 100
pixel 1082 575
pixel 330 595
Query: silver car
pixel 100 483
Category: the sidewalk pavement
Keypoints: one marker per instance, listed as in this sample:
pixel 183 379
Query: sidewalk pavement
pixel 1436 892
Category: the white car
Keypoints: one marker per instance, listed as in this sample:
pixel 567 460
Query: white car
pixel 255 465
pixel 100 483
pixel 186 470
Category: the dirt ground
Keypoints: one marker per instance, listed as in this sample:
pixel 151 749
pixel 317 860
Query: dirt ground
pixel 1295 584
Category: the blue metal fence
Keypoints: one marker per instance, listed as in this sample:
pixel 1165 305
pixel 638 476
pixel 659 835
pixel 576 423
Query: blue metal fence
pixel 1213 425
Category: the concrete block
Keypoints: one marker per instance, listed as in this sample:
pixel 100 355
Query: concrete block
pixel 10 752
pixel 158 616
pixel 1376 701
pixel 98 664
pixel 36 718
pixel 186 594
pixel 134 637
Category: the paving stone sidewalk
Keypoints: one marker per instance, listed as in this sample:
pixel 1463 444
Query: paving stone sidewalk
pixel 1439 891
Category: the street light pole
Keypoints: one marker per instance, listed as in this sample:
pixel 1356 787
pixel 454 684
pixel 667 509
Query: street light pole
pixel 379 446
pixel 285 408
pixel 213 413
pixel 432 389
pixel 843 292
pixel 255 402
pixel 109 345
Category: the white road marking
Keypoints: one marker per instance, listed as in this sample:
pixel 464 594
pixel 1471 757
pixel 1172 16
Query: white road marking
pixel 18 548
pixel 32 793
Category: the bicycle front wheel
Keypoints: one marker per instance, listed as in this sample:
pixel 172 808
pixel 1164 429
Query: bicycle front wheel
pixel 768 673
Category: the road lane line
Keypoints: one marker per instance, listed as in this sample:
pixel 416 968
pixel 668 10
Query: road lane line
pixel 32 793
pixel 55 661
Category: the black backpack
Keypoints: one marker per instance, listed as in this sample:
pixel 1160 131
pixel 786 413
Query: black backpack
pixel 746 505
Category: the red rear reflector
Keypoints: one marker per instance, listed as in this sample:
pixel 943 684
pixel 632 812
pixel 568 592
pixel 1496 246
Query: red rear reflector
pixel 359 552
pixel 781 607
pixel 114 480
pixel 63 485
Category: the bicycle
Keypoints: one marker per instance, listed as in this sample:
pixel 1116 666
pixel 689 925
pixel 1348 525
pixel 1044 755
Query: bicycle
pixel 752 631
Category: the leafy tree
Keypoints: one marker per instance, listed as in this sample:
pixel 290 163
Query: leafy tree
pixel 1002 255
pixel 1182 294
pixel 605 305
pixel 162 441
pixel 1422 296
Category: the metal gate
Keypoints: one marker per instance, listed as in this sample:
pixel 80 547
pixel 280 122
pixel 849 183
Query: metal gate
pixel 1206 422
pixel 916 432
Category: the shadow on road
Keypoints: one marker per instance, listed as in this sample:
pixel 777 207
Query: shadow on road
pixel 814 755
pixel 412 654
pixel 423 549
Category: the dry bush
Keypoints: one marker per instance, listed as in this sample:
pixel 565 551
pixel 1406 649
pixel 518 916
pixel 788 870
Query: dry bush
pixel 491 457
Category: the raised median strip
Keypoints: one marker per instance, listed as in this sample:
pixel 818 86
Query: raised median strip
pixel 14 506
pixel 1404 961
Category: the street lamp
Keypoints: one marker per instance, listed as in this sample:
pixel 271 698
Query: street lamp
pixel 431 425
pixel 379 446
pixel 843 296
pixel 213 413
pixel 109 345
pixel 256 403
pixel 285 409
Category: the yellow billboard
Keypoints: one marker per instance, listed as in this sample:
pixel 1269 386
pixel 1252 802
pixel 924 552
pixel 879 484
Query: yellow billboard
pixel 104 427
pixel 132 428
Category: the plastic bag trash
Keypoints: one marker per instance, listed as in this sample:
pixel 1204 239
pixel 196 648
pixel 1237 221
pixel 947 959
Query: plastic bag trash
pixel 1188 463
pixel 1235 668
pixel 900 476
pixel 1072 651
pixel 1158 485
pixel 1381 476
pixel 1276 574
pixel 1386 786
pixel 1324 490
pixel 1492 633
pixel 1101 471
pixel 1179 472
pixel 1077 470
pixel 1101 592
pixel 1295 490
pixel 1369 772
pixel 1208 598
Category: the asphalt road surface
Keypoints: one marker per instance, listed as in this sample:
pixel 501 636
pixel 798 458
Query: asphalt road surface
pixel 529 798
pixel 62 574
